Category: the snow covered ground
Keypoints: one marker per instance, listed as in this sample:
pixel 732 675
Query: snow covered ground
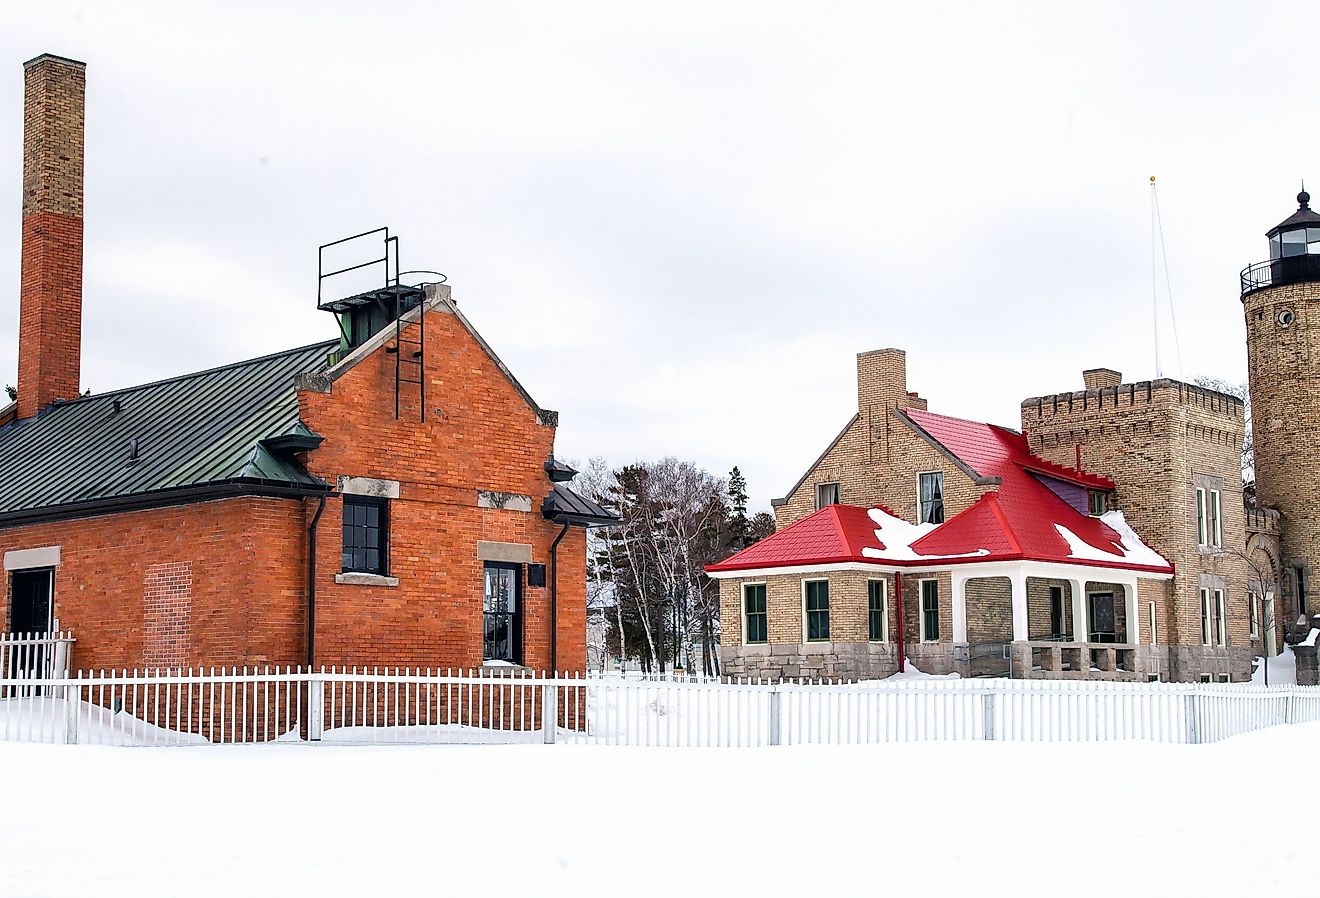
pixel 1282 669
pixel 928 818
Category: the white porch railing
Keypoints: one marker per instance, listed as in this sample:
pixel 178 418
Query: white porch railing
pixel 25 656
pixel 426 706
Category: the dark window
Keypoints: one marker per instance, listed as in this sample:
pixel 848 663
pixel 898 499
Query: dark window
pixel 931 488
pixel 754 610
pixel 502 612
pixel 1056 612
pixel 875 604
pixel 827 494
pixel 536 575
pixel 1097 499
pixel 366 534
pixel 1102 617
pixel 818 610
pixel 1301 589
pixel 930 610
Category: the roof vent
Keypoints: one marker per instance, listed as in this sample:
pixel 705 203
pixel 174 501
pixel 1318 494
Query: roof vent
pixel 133 451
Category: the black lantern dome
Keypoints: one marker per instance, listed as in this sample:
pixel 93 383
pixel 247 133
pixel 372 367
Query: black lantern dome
pixel 1294 251
pixel 1298 234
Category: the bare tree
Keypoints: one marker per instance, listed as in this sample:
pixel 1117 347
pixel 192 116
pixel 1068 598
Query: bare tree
pixel 1239 391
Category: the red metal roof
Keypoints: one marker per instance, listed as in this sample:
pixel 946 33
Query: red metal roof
pixel 1022 520
pixel 832 535
pixel 987 449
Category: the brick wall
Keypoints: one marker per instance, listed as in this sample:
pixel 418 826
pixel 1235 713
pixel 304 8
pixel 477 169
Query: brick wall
pixel 224 582
pixel 480 434
pixel 213 583
pixel 876 462
pixel 167 613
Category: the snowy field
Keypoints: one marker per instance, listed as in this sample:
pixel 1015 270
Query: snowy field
pixel 930 818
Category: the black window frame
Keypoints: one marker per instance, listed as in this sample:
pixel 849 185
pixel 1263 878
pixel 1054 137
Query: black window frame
pixel 355 552
pixel 755 632
pixel 935 515
pixel 514 618
pixel 877 598
pixel 813 618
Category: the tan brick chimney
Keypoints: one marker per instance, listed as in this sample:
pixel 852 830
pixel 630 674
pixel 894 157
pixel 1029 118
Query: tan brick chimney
pixel 50 299
pixel 882 381
pixel 1100 378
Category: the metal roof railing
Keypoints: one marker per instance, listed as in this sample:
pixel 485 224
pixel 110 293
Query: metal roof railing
pixel 1276 272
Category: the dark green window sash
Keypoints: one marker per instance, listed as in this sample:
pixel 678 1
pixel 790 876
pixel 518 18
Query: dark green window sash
pixel 875 600
pixel 818 610
pixel 930 609
pixel 754 610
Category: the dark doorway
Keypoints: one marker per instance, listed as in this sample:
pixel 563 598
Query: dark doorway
pixel 29 601
pixel 29 613
pixel 1102 617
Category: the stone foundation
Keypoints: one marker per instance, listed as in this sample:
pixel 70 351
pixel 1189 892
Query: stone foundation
pixel 1308 668
pixel 812 660
pixel 1031 660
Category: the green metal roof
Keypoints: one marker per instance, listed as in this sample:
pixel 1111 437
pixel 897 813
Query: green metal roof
pixel 234 423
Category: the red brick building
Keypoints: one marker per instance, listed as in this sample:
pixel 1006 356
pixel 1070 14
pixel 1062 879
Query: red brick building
pixel 387 497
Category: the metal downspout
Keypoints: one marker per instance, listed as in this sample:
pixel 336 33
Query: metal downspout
pixel 898 609
pixel 311 583
pixel 554 601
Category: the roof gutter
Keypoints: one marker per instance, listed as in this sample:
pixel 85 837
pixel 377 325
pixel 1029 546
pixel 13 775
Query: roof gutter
pixel 183 495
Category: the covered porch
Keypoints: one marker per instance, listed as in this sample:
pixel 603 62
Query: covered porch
pixel 1048 620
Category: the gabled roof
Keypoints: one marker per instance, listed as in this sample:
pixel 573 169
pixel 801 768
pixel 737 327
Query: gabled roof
pixel 234 424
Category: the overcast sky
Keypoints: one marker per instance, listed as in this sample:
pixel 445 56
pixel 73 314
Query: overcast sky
pixel 679 223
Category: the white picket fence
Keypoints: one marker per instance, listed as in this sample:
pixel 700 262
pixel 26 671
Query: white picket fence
pixel 34 655
pixel 245 706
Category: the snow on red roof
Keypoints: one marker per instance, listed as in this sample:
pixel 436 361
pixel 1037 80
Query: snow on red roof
pixel 1023 520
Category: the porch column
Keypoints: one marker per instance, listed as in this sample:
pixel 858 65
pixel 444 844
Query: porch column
pixel 1131 614
pixel 1020 629
pixel 959 607
pixel 1080 622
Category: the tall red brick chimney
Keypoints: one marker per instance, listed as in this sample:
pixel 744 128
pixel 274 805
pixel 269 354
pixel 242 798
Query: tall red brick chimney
pixel 50 300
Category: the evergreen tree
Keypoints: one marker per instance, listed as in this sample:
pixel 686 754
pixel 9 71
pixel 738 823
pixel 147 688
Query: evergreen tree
pixel 740 528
